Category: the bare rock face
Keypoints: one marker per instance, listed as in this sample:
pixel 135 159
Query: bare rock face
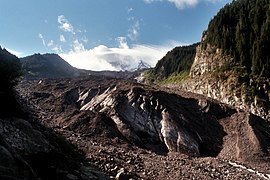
pixel 152 118
pixel 208 60
pixel 209 76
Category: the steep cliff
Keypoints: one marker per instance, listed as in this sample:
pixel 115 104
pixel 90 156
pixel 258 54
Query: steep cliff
pixel 216 75
pixel 232 62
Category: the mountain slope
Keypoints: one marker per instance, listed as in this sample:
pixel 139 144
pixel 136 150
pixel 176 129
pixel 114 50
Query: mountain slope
pixel 242 29
pixel 232 61
pixel 176 62
pixel 47 66
pixel 10 72
pixel 10 69
pixel 226 61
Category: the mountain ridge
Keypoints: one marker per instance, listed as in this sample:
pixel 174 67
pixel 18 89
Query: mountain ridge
pixel 47 66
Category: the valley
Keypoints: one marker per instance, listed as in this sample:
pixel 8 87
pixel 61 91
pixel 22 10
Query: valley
pixel 203 111
pixel 143 132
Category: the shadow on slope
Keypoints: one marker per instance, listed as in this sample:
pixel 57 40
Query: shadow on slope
pixel 28 150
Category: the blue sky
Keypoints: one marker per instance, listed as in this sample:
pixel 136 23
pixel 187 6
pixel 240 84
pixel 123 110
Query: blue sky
pixel 93 34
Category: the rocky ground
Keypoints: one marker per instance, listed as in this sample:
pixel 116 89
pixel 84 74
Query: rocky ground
pixel 133 131
pixel 30 151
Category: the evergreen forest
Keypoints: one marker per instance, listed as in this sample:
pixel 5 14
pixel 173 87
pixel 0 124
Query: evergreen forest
pixel 175 62
pixel 242 29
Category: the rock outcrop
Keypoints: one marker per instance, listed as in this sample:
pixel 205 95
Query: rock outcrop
pixel 210 76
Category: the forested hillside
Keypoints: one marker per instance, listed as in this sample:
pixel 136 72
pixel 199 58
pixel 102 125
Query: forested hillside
pixel 232 62
pixel 176 63
pixel 242 29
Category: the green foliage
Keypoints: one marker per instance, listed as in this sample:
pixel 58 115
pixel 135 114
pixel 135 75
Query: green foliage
pixel 177 61
pixel 150 76
pixel 242 29
pixel 176 78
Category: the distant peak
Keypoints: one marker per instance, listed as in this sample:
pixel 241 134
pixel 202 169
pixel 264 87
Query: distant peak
pixel 143 65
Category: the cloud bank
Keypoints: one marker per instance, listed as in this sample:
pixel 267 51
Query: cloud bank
pixel 181 4
pixel 71 46
pixel 119 58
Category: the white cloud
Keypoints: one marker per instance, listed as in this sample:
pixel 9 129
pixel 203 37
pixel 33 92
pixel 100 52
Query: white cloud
pixel 50 43
pixel 101 57
pixel 62 38
pixel 65 25
pixel 16 53
pixel 89 59
pixel 85 39
pixel 133 32
pixel 58 49
pixel 130 9
pixel 181 4
pixel 122 42
pixel 77 46
pixel 131 18
pixel 42 39
pixel 74 39
pixel 150 1
pixel 120 58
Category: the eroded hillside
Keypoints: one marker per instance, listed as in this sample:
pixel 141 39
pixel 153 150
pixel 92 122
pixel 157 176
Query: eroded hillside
pixel 151 132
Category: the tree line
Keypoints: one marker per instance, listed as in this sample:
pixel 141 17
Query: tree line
pixel 242 29
pixel 178 60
